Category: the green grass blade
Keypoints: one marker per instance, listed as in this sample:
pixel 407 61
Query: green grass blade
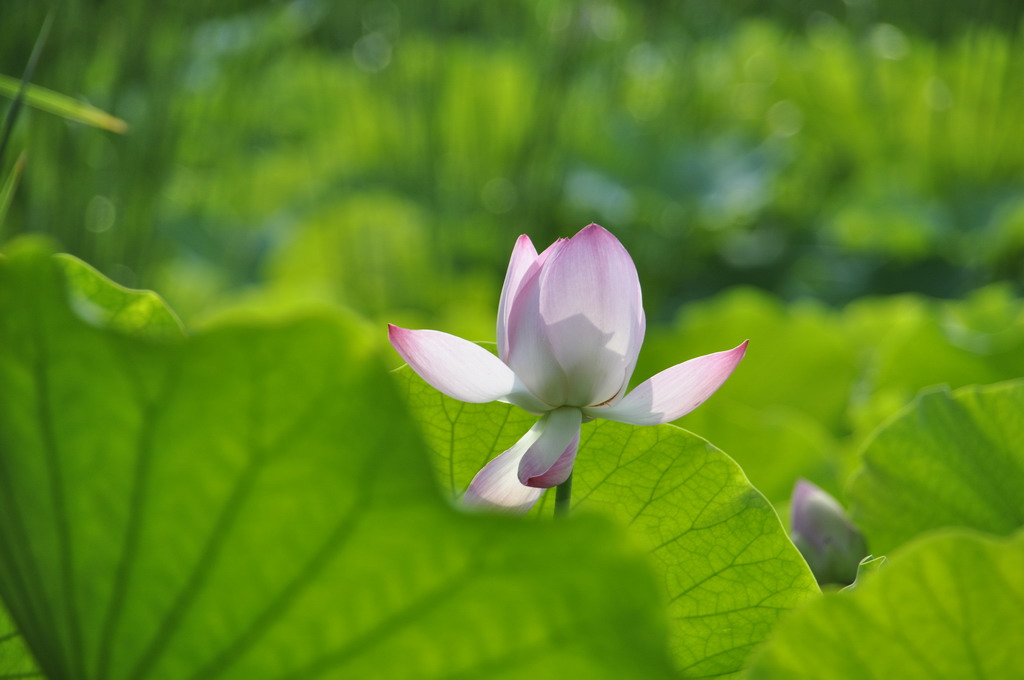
pixel 9 186
pixel 63 105
pixel 19 95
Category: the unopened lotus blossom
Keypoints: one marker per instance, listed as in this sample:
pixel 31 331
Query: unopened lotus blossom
pixel 825 536
pixel 570 326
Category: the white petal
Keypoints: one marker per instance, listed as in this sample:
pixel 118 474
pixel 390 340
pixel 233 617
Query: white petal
pixel 591 305
pixel 457 367
pixel 523 255
pixel 497 485
pixel 524 399
pixel 639 333
pixel 675 391
pixel 549 460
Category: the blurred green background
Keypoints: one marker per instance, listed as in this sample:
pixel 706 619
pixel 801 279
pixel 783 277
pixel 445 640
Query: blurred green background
pixel 839 181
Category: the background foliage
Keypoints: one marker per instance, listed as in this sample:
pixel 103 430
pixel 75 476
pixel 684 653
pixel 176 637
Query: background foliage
pixel 841 182
pixel 386 155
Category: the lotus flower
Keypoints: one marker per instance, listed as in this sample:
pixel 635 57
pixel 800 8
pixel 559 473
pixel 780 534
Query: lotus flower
pixel 570 327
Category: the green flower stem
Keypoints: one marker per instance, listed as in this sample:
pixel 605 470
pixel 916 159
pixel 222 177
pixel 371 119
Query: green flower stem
pixel 563 495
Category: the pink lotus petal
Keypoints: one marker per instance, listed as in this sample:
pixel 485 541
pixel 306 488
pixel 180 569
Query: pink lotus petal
pixel 457 367
pixel 497 485
pixel 560 471
pixel 523 255
pixel 549 460
pixel 804 494
pixel 591 306
pixel 675 391
pixel 529 352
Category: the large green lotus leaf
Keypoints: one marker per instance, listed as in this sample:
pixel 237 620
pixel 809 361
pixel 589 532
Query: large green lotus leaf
pixel 253 502
pixel 726 567
pixel 947 460
pixel 777 445
pixel 726 564
pixel 946 606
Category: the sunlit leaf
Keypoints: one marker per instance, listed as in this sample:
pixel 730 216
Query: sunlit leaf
pixel 726 567
pixel 253 502
pixel 62 105
pixel 100 301
pixel 948 460
pixel 947 606
pixel 15 659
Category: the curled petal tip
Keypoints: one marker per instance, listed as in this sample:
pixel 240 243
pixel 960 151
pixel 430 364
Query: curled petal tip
pixel 732 356
pixel 395 334
pixel 737 353
pixel 595 230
